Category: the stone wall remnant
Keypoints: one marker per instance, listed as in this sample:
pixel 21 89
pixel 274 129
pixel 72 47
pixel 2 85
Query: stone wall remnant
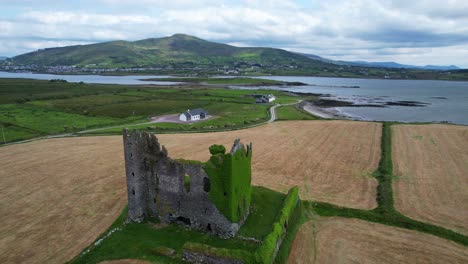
pixel 179 191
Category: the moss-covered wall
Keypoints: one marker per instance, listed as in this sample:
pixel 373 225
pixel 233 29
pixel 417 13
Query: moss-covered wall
pixel 290 212
pixel 230 177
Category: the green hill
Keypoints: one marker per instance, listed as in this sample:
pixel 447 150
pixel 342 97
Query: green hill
pixel 184 54
pixel 178 49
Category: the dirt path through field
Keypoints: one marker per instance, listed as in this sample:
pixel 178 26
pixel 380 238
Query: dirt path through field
pixel 343 240
pixel 431 164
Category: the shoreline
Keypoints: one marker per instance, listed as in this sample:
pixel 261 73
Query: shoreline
pixel 178 74
pixel 335 113
pixel 328 113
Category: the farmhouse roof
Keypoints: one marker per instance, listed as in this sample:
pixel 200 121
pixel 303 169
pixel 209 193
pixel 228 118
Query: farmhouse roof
pixel 263 95
pixel 193 112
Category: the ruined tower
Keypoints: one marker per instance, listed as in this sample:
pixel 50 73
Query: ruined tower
pixel 212 196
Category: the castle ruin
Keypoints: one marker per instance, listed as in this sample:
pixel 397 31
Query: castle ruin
pixel 213 196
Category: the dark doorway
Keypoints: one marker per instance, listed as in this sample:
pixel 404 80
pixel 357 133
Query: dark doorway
pixel 184 220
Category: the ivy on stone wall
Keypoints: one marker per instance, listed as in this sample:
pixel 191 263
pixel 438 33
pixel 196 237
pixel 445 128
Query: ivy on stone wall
pixel 267 251
pixel 230 176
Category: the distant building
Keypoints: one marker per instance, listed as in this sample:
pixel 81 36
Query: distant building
pixel 264 98
pixel 193 115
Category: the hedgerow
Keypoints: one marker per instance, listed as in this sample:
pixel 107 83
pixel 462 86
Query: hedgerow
pixel 267 251
pixel 385 213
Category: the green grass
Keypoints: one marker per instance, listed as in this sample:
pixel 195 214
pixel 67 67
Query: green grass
pixel 9 132
pixel 24 90
pixel 145 241
pixel 32 108
pixel 45 121
pixel 138 105
pixel 292 112
pixel 227 116
pixel 139 241
pixel 384 172
pixel 265 205
pixel 290 214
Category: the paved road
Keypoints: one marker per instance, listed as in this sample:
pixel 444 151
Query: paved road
pixel 273 113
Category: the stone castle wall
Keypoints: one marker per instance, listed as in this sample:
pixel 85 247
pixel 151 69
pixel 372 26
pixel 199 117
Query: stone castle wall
pixel 155 186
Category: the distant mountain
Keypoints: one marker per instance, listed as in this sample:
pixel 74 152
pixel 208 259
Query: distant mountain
pixel 389 64
pixel 436 67
pixel 405 66
pixel 184 54
pixel 179 50
pixel 3 58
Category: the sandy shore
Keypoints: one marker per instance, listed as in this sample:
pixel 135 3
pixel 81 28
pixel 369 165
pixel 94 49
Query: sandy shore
pixel 331 112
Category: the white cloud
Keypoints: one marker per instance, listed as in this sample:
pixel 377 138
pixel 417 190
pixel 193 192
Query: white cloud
pixel 357 29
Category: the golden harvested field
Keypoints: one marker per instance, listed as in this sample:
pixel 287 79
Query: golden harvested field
pixel 331 161
pixel 344 240
pixel 58 195
pixel 431 162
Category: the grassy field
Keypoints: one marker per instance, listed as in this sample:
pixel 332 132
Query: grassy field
pixel 140 241
pixel 48 121
pixel 432 187
pixel 292 112
pixel 342 240
pixel 32 108
pixel 226 116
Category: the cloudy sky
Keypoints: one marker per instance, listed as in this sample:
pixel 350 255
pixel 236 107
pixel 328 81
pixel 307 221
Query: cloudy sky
pixel 407 31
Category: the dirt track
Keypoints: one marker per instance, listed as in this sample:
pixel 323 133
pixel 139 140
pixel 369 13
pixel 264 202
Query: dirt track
pixel 58 195
pixel 342 240
pixel 431 164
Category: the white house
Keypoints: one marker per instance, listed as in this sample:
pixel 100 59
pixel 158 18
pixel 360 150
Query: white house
pixel 265 98
pixel 193 115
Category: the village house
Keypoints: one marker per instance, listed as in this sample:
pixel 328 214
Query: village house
pixel 193 115
pixel 265 98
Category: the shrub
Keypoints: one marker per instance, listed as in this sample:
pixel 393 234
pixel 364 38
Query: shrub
pixel 216 149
